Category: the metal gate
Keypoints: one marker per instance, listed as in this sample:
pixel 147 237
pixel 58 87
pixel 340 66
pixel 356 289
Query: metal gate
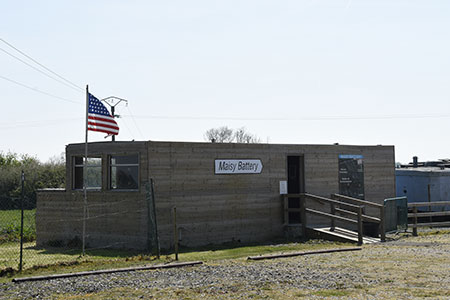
pixel 396 213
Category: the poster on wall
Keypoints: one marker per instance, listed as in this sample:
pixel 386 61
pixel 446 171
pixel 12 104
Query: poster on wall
pixel 351 175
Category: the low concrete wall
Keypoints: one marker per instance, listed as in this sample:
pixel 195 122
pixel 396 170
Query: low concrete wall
pixel 114 219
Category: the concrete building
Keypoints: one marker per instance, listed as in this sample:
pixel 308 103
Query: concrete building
pixel 222 191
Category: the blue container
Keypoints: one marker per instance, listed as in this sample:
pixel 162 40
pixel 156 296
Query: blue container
pixel 415 182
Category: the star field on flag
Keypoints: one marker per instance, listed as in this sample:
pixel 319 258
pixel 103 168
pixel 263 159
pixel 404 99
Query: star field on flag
pixel 99 118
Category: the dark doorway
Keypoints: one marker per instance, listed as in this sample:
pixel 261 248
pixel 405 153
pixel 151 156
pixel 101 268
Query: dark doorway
pixel 296 185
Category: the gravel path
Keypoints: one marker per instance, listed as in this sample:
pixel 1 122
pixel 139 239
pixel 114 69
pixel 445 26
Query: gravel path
pixel 316 272
pixel 224 275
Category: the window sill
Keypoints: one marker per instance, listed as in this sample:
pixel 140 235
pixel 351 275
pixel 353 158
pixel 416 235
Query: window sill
pixel 124 190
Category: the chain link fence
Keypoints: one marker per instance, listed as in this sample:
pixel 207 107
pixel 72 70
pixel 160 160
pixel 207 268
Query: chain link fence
pixel 52 232
pixel 10 230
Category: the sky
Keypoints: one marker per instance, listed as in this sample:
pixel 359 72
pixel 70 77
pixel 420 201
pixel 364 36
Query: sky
pixel 296 72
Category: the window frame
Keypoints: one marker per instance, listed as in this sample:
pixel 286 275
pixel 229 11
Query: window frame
pixel 111 166
pixel 81 166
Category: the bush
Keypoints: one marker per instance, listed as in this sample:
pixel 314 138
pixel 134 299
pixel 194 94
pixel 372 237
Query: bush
pixel 10 226
pixel 37 176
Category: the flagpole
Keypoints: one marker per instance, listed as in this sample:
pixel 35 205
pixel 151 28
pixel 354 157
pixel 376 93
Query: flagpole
pixel 85 174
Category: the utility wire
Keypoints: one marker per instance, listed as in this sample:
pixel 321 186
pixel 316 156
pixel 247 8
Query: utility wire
pixel 135 124
pixel 313 118
pixel 35 124
pixel 38 70
pixel 37 90
pixel 38 63
pixel 128 128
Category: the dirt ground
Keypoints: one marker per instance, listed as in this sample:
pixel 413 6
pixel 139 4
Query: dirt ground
pixel 405 267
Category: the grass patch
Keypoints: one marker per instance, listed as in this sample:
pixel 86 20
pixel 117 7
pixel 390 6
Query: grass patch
pixel 235 252
pixel 62 260
pixel 434 232
pixel 332 293
pixel 10 225
pixel 423 293
pixel 234 292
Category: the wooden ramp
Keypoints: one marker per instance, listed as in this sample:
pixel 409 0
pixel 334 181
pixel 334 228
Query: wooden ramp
pixel 339 234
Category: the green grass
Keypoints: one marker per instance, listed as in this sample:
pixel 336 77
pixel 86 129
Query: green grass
pixel 434 232
pixel 62 260
pixel 10 225
pixel 234 252
pixel 332 293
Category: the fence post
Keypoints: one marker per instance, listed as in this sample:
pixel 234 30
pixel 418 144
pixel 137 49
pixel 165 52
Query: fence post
pixel 152 186
pixel 152 227
pixel 22 179
pixel 333 212
pixel 303 215
pixel 382 225
pixel 360 226
pixel 175 232
pixel 415 221
pixel 286 207
pixel 150 224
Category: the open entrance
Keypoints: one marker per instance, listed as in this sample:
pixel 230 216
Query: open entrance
pixel 296 185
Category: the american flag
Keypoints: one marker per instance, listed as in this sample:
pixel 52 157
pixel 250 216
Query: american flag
pixel 99 118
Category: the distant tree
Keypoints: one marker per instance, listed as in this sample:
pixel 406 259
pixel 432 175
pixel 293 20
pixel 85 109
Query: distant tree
pixel 228 135
pixel 242 136
pixel 220 135
pixel 37 176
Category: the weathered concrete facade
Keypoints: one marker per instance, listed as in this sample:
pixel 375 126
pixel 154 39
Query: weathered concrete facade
pixel 211 208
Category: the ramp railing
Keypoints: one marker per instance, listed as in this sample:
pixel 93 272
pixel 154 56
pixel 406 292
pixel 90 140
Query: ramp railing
pixel 363 203
pixel 335 207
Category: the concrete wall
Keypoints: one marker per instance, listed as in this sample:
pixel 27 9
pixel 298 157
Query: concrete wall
pixel 115 218
pixel 211 208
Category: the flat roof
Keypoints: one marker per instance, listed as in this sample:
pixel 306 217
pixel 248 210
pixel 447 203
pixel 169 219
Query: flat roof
pixel 422 170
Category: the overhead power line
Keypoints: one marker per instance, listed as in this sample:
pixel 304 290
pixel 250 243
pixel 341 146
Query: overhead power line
pixel 37 90
pixel 135 124
pixel 35 124
pixel 72 85
pixel 36 69
pixel 312 118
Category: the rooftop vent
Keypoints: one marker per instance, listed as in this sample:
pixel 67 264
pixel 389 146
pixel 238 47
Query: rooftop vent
pixel 415 162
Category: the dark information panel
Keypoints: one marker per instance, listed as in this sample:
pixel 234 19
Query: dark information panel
pixel 351 175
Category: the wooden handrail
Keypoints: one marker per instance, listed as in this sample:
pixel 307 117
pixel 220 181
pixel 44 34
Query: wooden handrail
pixel 368 203
pixel 432 224
pixel 364 217
pixel 333 203
pixel 430 214
pixel 337 202
pixel 335 217
pixel 434 203
pixel 416 214
pixel 359 201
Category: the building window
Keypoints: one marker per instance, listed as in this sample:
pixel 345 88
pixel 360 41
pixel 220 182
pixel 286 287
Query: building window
pixel 124 171
pixel 94 173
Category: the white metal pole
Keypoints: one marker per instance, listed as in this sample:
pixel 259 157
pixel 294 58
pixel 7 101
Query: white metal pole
pixel 85 174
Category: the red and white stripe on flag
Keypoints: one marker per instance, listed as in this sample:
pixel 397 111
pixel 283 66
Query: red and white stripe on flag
pixel 99 118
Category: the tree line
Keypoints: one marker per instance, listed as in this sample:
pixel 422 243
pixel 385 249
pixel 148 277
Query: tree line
pixel 38 175
pixel 225 134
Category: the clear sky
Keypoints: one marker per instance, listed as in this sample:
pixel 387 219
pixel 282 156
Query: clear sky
pixel 312 71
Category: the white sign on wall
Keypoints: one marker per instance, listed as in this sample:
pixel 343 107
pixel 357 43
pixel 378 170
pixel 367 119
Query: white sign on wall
pixel 283 187
pixel 238 166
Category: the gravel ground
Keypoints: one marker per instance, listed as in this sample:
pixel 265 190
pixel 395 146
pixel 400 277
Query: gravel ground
pixel 378 271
